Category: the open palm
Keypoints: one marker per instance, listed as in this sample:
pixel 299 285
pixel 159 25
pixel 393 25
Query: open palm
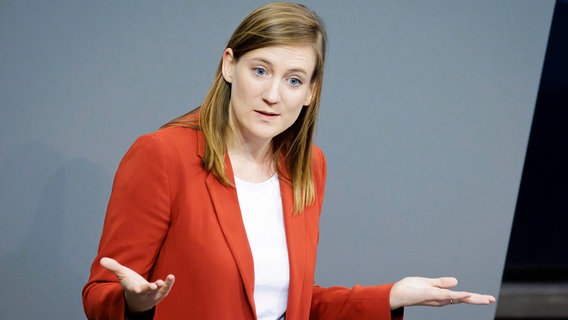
pixel 140 295
pixel 418 291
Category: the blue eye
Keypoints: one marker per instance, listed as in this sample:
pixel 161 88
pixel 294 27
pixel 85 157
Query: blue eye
pixel 260 71
pixel 295 81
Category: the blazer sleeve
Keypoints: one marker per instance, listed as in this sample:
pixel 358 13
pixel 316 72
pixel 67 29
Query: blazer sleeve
pixel 359 302
pixel 136 223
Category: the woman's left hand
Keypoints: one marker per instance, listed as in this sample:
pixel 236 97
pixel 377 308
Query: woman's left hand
pixel 418 291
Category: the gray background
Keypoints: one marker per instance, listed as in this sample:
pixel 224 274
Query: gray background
pixel 425 117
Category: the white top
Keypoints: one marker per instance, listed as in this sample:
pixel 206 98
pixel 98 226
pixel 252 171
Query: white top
pixel 261 209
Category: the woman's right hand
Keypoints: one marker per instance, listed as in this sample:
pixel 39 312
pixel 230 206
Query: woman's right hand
pixel 140 295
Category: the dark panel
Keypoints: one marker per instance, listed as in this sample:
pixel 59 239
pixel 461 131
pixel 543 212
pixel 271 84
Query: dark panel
pixel 538 247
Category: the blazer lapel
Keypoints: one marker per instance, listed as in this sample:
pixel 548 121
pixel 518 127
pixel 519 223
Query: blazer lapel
pixel 228 213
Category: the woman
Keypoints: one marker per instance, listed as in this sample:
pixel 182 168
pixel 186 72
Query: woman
pixel 227 198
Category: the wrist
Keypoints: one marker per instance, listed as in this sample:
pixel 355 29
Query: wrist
pixel 133 308
pixel 395 300
pixel 142 315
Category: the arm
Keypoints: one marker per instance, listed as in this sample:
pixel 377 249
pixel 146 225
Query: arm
pixel 359 302
pixel 385 301
pixel 136 223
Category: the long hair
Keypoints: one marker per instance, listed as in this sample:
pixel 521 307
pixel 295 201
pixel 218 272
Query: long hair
pixel 274 24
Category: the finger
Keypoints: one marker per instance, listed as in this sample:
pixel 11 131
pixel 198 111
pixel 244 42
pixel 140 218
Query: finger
pixel 170 279
pixel 162 290
pixel 445 296
pixel 167 285
pixel 455 298
pixel 479 299
pixel 128 278
pixel 121 271
pixel 443 282
pixel 164 286
pixel 151 286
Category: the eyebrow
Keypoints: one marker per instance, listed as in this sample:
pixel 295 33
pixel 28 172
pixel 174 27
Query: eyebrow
pixel 264 61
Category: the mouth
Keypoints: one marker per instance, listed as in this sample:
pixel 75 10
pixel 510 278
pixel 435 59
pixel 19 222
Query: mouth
pixel 266 113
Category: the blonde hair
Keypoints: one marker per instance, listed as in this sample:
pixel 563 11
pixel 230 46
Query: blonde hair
pixel 274 24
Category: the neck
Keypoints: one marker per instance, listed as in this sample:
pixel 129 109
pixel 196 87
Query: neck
pixel 251 161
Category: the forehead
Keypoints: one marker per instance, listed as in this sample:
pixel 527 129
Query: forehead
pixel 285 57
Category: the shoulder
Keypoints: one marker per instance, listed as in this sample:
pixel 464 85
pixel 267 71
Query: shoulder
pixel 171 139
pixel 167 144
pixel 317 153
pixel 319 166
pixel 175 135
pixel 318 157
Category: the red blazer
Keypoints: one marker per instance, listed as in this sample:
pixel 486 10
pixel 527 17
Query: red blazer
pixel 166 214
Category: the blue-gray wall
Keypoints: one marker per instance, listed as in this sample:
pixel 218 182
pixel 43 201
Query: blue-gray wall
pixel 425 118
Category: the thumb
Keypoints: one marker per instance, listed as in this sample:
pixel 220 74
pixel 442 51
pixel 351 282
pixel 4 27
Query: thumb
pixel 444 282
pixel 111 264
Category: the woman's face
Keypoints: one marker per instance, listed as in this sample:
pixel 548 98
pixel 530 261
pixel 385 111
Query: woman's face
pixel 269 87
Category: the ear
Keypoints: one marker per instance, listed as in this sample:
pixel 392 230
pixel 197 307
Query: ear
pixel 228 65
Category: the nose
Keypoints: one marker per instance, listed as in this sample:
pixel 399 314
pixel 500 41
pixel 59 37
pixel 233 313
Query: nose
pixel 271 93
